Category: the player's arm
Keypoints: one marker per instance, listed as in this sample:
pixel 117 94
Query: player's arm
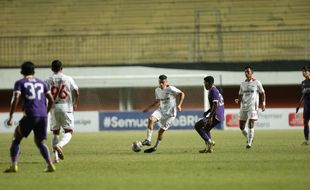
pixel 14 103
pixel 240 94
pixel 301 100
pixel 212 111
pixel 50 99
pixel 76 95
pixel 263 97
pixel 181 99
pixel 154 104
pixel 205 114
pixel 239 99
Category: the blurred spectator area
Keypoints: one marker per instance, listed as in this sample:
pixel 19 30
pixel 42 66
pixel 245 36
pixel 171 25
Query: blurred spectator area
pixel 96 32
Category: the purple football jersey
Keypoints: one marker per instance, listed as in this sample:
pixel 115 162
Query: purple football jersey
pixel 216 96
pixel 33 92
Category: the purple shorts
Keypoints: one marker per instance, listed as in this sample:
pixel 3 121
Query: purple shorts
pixel 37 124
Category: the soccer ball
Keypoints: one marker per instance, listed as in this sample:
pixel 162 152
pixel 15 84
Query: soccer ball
pixel 136 146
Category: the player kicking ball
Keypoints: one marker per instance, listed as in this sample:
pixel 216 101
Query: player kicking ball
pixel 167 107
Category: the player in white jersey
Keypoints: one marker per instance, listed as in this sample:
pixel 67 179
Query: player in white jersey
pixel 166 101
pixel 66 94
pixel 249 93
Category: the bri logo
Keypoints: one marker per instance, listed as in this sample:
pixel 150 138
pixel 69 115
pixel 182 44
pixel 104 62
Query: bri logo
pixel 232 120
pixel 295 120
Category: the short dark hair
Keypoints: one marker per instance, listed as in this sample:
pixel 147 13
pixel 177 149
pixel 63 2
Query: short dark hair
pixel 162 77
pixel 209 79
pixel 27 68
pixel 56 65
pixel 305 68
pixel 249 67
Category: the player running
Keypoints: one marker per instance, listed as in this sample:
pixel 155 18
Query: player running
pixel 33 92
pixel 66 94
pixel 166 101
pixel 212 117
pixel 249 93
pixel 305 99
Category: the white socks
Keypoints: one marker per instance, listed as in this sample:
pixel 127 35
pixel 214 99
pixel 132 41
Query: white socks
pixel 251 136
pixel 65 139
pixel 149 133
pixel 245 133
pixel 55 140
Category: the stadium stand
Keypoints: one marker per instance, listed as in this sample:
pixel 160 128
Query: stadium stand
pixel 134 32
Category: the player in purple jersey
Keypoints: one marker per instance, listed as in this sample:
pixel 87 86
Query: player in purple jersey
pixel 212 117
pixel 33 92
pixel 305 99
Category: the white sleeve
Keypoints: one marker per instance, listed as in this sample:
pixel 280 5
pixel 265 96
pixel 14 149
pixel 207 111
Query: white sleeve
pixel 48 82
pixel 175 90
pixel 240 90
pixel 260 87
pixel 156 94
pixel 73 84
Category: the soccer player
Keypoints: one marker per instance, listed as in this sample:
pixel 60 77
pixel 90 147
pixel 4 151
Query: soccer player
pixel 305 99
pixel 212 117
pixel 166 101
pixel 249 94
pixel 33 93
pixel 66 94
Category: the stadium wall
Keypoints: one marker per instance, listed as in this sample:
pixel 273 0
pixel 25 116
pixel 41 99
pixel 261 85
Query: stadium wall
pixel 102 88
pixel 93 121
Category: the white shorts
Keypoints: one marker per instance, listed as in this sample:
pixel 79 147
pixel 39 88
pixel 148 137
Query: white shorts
pixel 251 114
pixel 63 120
pixel 164 121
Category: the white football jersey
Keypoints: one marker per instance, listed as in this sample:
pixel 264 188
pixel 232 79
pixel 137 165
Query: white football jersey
pixel 167 99
pixel 62 88
pixel 250 91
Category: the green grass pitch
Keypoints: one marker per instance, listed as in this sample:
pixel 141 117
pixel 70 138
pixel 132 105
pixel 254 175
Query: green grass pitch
pixel 104 160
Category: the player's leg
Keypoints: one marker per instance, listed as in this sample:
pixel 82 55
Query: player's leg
pixel 40 136
pixel 66 137
pixel 165 123
pixel 22 130
pixel 149 131
pixel 159 138
pixel 161 132
pixel 150 125
pixel 156 146
pixel 251 133
pixel 210 144
pixel 55 140
pixel 242 122
pixel 55 128
pixel 199 127
pixel 306 131
pixel 68 126
pixel 14 150
pixel 253 116
pixel 204 134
